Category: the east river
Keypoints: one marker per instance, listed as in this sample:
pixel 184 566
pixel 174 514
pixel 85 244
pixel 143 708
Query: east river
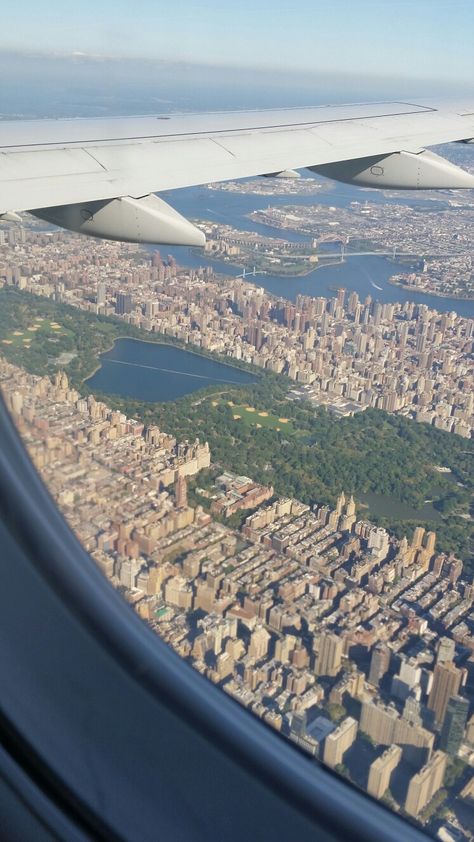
pixel 363 274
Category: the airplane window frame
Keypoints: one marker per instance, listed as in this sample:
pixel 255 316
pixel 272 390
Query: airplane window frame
pixel 270 782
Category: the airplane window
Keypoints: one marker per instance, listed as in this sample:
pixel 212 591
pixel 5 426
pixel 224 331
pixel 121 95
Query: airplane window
pixel 265 442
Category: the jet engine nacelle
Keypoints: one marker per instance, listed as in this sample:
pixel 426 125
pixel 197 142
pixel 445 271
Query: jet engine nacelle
pixel 145 220
pixel 400 170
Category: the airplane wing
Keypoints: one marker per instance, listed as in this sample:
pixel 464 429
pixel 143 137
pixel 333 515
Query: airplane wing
pixel 99 176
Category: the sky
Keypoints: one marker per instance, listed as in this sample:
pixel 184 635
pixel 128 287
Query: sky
pixel 105 57
pixel 397 38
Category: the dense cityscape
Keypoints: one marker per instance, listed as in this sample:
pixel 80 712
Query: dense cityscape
pixel 442 236
pixel 343 353
pixel 356 644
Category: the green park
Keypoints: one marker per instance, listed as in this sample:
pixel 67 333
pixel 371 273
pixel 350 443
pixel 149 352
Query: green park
pixel 254 429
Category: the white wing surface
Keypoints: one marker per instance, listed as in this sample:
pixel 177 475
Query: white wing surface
pixel 74 171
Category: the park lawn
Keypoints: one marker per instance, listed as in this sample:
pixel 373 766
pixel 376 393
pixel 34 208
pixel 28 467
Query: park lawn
pixel 258 418
pixel 39 329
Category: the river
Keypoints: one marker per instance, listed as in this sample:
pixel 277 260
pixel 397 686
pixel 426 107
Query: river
pixel 362 274
pixel 148 371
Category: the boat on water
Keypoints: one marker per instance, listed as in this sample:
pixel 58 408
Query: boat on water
pixel 376 287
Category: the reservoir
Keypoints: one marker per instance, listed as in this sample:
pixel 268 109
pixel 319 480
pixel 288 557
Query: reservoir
pixel 148 371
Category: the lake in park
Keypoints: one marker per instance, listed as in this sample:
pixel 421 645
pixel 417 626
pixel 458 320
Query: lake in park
pixel 148 371
pixel 383 506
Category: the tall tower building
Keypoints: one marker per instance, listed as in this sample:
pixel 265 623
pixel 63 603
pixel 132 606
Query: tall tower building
pixel 385 725
pixel 349 517
pixel 407 680
pixel 298 723
pixel 412 710
pixel 417 540
pixel 299 734
pixel 454 569
pixel 341 502
pixel 351 507
pixel 403 551
pixel 446 683
pixel 425 784
pixel 353 302
pixel 181 493
pixel 101 293
pixel 379 663
pixel 430 542
pixel 329 654
pixel 381 771
pixel 361 343
pixel 258 646
pixel 454 725
pixel 339 742
pixel 379 722
pixel 123 303
pixel 446 650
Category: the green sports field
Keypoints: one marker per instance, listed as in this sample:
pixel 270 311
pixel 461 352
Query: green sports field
pixel 258 418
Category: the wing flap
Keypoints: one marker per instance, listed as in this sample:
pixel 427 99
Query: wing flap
pixel 17 166
pixel 100 160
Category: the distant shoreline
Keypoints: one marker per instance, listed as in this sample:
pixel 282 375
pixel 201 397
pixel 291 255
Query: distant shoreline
pixel 411 288
pixel 273 270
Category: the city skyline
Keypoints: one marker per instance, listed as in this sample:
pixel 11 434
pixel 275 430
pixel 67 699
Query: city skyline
pixel 353 640
pixel 238 516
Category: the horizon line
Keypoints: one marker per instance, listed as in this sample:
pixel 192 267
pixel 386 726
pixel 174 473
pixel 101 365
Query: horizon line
pixel 184 61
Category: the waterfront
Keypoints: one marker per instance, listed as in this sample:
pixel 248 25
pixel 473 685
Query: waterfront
pixel 362 274
pixel 149 371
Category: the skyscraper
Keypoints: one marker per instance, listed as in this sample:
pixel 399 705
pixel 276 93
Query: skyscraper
pixel 412 710
pixel 348 519
pixel 181 493
pixel 258 646
pixel 299 734
pixel 353 302
pixel 341 502
pixel 101 293
pixel 425 784
pixel 385 726
pixel 351 507
pixel 329 654
pixel 123 304
pixel 298 723
pixel 381 771
pixel 408 678
pixel 430 542
pixel 446 650
pixel 339 741
pixel 417 540
pixel 454 724
pixel 446 683
pixel 379 663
